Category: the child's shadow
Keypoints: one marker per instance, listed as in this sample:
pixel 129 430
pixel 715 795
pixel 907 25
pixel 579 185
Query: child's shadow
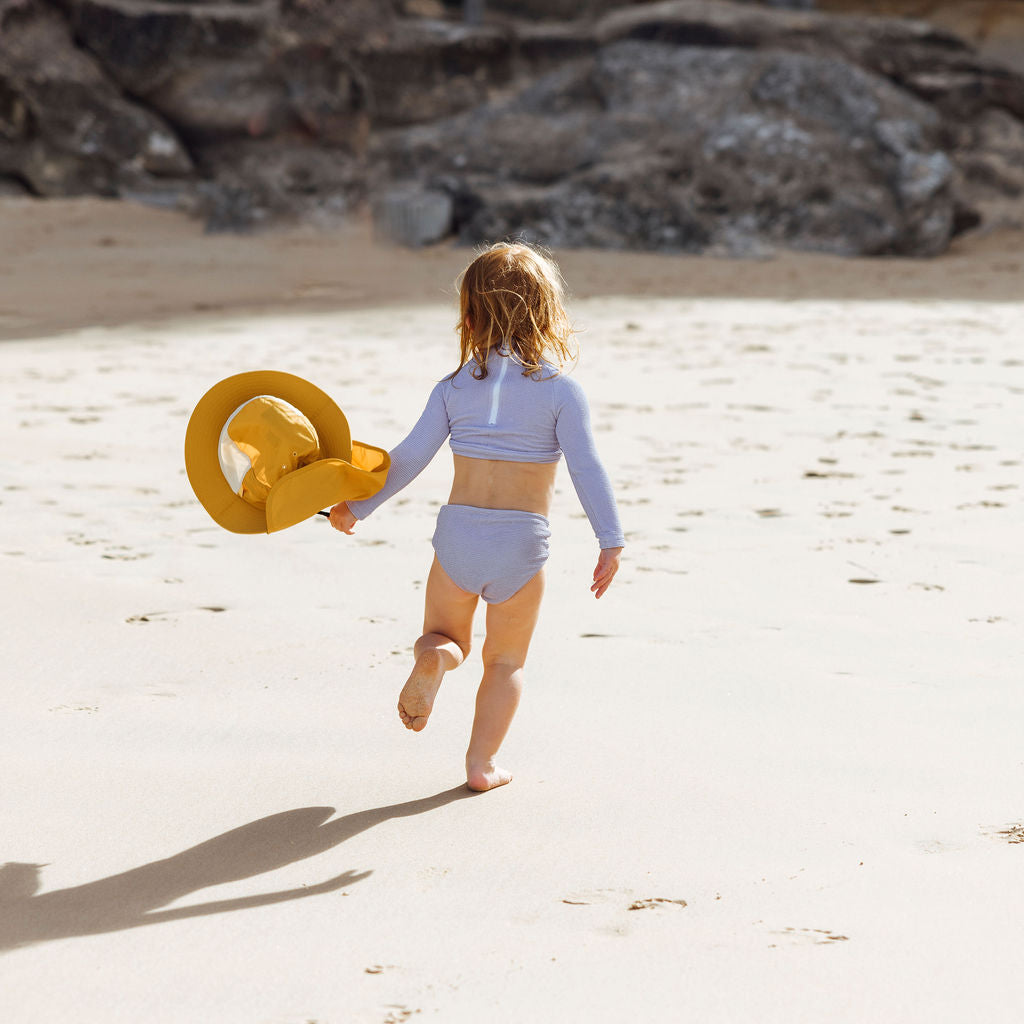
pixel 132 899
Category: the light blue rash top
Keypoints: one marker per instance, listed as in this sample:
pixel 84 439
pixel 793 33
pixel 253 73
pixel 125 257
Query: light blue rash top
pixel 511 418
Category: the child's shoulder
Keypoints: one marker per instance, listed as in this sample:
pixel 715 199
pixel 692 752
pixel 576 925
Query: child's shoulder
pixel 555 374
pixel 457 377
pixel 562 380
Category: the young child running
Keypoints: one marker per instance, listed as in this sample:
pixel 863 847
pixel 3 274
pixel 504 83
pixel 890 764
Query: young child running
pixel 511 413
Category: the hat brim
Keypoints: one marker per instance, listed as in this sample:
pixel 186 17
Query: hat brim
pixel 349 471
pixel 303 492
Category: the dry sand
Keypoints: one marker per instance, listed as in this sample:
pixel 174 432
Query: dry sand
pixel 775 775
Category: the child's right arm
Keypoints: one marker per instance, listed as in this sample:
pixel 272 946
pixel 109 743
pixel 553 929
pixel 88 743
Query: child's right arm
pixel 412 455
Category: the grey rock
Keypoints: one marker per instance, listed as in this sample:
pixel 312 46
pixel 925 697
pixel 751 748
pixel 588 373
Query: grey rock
pixel 303 88
pixel 694 149
pixel 922 176
pixel 938 66
pixel 422 70
pixel 64 128
pixel 553 9
pixel 413 216
pixel 142 44
pixel 691 125
pixel 989 166
pixel 328 95
pixel 542 46
pixel 726 23
pixel 216 100
pixel 253 183
pixel 232 206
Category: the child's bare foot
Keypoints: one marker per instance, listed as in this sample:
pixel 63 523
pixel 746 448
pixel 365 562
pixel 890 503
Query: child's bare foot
pixel 417 697
pixel 485 775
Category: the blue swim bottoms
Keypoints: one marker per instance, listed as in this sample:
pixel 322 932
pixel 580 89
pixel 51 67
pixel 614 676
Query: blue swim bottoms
pixel 492 552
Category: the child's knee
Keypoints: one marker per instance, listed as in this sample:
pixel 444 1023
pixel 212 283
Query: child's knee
pixel 440 640
pixel 510 661
pixel 464 644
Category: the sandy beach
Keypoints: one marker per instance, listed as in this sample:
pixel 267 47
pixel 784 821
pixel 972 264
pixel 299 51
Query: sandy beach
pixel 774 776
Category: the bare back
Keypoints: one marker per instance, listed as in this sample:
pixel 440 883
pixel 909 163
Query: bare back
pixel 492 483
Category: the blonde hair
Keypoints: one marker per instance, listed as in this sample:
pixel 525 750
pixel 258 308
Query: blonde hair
pixel 513 294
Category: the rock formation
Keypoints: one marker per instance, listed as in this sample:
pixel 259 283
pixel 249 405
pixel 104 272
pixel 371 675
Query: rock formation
pixel 65 127
pixel 692 125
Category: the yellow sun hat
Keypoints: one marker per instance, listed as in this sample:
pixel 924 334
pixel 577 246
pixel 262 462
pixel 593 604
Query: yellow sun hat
pixel 265 450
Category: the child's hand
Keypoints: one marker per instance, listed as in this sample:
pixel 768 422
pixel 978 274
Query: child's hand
pixel 342 519
pixel 607 567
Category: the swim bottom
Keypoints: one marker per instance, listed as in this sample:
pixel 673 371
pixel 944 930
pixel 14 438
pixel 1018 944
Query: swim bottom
pixel 492 552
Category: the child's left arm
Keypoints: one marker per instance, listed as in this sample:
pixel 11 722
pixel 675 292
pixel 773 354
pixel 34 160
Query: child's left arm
pixel 588 475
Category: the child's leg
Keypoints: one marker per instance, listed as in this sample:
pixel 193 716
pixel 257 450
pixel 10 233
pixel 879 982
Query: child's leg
pixel 447 632
pixel 510 628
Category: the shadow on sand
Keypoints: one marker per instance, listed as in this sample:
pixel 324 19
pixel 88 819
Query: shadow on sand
pixel 133 898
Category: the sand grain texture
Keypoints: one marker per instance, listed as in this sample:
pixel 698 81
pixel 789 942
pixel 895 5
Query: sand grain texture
pixel 774 775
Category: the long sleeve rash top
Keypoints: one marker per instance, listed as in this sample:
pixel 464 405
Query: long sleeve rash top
pixel 511 418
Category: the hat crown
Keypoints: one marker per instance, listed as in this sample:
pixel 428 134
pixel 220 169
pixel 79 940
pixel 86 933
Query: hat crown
pixel 262 441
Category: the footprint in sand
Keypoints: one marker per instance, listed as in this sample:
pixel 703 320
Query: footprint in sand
pixel 83 541
pixel 809 936
pixel 655 901
pixel 85 456
pixel 124 554
pixel 1011 833
pixel 153 616
pixel 591 897
pixel 397 1013
pixel 980 504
